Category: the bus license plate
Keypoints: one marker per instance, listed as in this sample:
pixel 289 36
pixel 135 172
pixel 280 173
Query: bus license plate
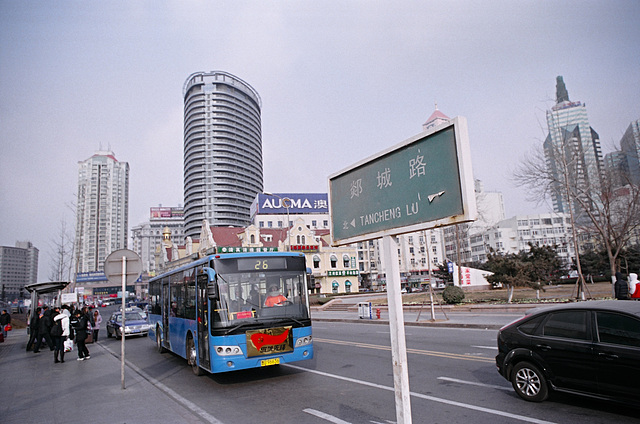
pixel 267 362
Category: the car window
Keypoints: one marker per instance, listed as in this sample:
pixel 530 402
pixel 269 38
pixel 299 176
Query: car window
pixel 567 324
pixel 133 316
pixel 618 329
pixel 530 326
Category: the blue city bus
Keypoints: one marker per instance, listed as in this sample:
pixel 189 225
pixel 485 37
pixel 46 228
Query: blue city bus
pixel 233 311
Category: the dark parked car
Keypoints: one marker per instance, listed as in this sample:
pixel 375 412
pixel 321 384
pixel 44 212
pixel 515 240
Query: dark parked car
pixel 134 325
pixel 587 348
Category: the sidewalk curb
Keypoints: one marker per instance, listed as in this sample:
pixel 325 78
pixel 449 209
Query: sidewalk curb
pixel 437 323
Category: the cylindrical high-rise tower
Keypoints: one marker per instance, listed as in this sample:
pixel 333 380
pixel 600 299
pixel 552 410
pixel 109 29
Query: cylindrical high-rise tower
pixel 222 150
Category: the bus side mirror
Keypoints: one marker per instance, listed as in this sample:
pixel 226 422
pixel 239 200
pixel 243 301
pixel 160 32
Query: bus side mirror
pixel 310 283
pixel 208 278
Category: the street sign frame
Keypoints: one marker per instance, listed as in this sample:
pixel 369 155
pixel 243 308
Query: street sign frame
pixel 113 266
pixel 423 182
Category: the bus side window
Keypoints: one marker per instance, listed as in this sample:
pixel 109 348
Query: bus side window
pixel 154 290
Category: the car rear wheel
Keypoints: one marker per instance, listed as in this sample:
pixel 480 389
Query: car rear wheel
pixel 529 383
pixel 108 333
pixel 192 357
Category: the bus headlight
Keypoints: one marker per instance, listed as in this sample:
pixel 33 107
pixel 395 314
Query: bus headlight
pixel 304 341
pixel 227 350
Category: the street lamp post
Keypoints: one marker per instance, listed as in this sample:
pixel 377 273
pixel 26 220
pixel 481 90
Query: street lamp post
pixel 285 202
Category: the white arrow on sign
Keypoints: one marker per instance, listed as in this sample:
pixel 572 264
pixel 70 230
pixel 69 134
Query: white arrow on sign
pixel 433 196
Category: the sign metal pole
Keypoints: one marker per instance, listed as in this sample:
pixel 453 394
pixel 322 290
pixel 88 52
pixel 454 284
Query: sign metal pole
pixel 124 266
pixel 396 325
pixel 122 337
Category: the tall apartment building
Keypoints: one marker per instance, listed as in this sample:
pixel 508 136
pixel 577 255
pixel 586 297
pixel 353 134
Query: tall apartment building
pixel 222 150
pixel 572 149
pixel 617 168
pixel 102 215
pixel 147 237
pixel 630 147
pixel 18 267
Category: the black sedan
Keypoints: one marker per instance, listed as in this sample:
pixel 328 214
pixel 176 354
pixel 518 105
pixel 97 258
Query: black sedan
pixel 587 348
pixel 135 325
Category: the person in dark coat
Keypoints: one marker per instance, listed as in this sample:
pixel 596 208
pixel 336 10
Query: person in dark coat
pixel 44 329
pixel 5 319
pixel 80 325
pixel 621 287
pixel 33 329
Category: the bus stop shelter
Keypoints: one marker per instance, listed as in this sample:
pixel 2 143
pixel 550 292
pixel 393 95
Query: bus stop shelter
pixel 43 291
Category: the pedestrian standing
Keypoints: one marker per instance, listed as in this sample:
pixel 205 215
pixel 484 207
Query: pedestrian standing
pixel 97 320
pixel 58 330
pixel 5 319
pixel 45 322
pixel 88 313
pixel 621 287
pixel 33 329
pixel 80 330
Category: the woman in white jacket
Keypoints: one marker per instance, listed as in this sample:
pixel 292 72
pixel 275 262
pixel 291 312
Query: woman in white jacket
pixel 61 321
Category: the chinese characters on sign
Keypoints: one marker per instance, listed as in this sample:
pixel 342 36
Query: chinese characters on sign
pixel 356 188
pixel 343 273
pixel 384 178
pixel 417 166
pixel 245 249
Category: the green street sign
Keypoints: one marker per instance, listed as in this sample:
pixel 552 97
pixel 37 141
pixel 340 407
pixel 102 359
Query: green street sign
pixel 423 182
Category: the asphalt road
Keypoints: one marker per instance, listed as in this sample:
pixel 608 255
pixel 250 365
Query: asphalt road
pixel 452 377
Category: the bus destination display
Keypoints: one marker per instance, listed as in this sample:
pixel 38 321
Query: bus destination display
pixel 261 264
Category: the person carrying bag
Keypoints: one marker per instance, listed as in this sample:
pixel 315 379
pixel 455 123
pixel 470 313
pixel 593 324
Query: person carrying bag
pixel 80 330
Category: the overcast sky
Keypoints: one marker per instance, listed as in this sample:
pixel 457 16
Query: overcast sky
pixel 339 81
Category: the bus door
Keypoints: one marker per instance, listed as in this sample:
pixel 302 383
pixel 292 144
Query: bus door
pixel 203 320
pixel 166 307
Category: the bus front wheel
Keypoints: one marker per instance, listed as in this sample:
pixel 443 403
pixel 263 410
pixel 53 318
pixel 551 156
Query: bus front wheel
pixel 192 357
pixel 159 346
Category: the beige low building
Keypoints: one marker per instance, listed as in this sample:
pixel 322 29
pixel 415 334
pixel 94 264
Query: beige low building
pixel 333 269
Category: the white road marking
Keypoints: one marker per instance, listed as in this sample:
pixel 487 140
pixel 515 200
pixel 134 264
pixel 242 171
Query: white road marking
pixel 325 416
pixel 426 397
pixel 389 332
pixel 486 347
pixel 473 383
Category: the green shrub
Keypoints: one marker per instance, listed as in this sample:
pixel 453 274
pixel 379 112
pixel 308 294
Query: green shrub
pixel 452 294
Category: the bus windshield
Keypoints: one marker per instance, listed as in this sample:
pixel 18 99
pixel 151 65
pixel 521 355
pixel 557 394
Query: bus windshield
pixel 252 296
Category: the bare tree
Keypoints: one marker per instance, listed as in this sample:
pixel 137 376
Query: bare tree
pixel 62 255
pixel 597 208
